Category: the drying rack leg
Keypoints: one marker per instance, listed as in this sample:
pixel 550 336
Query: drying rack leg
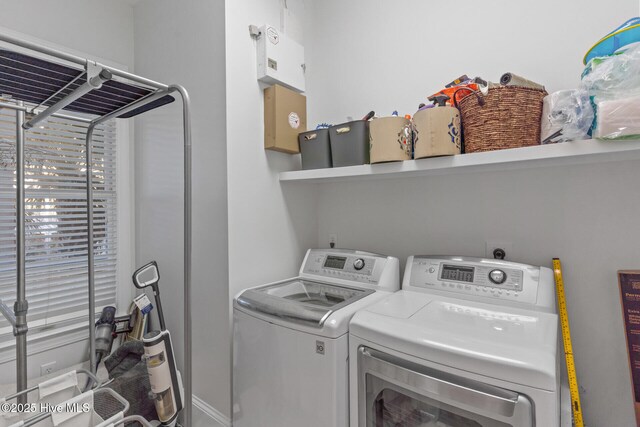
pixel 21 306
pixel 186 117
pixel 90 255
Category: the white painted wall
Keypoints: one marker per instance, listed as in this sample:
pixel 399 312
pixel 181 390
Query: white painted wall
pixel 270 227
pixel 104 32
pixel 66 349
pixel 364 55
pixel 381 55
pixel 183 42
pixel 102 28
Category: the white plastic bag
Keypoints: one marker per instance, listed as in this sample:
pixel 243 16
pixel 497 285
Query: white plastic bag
pixel 613 77
pixel 613 85
pixel 567 115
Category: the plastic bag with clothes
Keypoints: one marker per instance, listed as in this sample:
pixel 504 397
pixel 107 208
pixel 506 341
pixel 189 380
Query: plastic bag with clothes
pixel 613 85
pixel 567 115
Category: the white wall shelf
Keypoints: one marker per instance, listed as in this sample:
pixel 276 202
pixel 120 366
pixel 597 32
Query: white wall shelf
pixel 564 154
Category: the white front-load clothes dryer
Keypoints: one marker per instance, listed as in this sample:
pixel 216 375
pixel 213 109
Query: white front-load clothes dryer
pixel 290 339
pixel 467 342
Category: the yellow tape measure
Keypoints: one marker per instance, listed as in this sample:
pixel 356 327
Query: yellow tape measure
pixel 568 349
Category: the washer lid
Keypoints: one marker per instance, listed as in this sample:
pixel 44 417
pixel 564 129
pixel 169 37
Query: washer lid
pixel 511 344
pixel 302 301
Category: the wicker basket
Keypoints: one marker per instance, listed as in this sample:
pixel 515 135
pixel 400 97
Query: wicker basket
pixel 507 117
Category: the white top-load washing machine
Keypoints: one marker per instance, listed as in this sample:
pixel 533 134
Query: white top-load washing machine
pixel 467 342
pixel 290 358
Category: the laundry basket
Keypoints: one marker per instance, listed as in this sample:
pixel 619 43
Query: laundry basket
pixel 102 407
pixel 50 392
pixel 507 117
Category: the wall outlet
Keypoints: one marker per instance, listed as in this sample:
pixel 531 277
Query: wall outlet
pixel 47 368
pixel 492 245
pixel 333 240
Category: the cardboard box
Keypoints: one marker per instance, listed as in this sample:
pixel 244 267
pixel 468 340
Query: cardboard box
pixel 285 116
pixel 436 132
pixel 390 139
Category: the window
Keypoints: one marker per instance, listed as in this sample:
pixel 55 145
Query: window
pixel 55 210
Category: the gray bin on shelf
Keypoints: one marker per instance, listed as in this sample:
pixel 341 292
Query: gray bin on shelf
pixel 315 149
pixel 350 143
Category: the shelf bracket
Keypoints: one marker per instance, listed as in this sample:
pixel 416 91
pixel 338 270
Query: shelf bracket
pixel 96 76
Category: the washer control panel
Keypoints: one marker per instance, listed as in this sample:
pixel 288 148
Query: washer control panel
pixel 354 266
pixel 474 277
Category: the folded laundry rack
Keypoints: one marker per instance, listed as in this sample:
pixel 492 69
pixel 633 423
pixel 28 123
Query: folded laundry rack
pixel 39 82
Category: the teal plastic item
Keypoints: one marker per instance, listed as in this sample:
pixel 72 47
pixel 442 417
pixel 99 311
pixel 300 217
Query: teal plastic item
pixel 624 35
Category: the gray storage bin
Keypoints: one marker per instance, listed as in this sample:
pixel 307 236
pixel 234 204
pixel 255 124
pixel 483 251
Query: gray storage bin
pixel 315 149
pixel 350 143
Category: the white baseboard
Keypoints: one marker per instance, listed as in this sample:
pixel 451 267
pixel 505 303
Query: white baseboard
pixel 205 415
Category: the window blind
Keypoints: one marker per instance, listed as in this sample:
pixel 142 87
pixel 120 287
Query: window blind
pixel 55 210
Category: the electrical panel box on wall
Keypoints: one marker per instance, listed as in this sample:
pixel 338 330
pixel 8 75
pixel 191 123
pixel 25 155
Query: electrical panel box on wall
pixel 280 59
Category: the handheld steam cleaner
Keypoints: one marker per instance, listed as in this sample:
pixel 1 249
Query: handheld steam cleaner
pixel 164 377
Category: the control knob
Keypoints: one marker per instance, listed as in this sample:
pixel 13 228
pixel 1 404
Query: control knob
pixel 497 276
pixel 358 264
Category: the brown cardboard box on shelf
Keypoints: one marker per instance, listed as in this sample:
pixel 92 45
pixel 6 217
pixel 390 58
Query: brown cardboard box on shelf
pixel 285 116
pixel 436 132
pixel 390 139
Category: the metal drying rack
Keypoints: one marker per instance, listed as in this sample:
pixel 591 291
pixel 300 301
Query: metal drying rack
pixel 41 88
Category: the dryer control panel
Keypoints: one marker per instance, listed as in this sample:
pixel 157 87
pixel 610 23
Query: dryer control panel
pixel 480 278
pixel 344 265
